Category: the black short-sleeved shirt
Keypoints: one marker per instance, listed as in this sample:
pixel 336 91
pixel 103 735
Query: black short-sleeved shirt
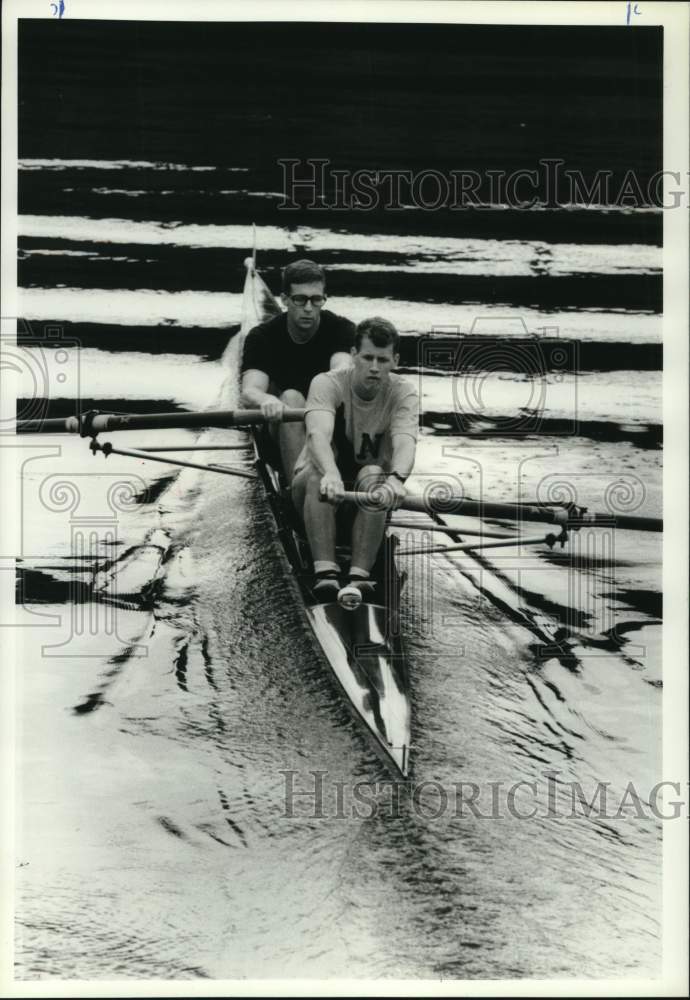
pixel 269 348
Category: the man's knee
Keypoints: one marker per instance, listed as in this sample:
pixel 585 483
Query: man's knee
pixel 305 481
pixel 369 475
pixel 293 398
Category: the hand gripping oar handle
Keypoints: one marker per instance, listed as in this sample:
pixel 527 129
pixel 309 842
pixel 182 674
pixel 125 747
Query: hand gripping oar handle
pixel 95 422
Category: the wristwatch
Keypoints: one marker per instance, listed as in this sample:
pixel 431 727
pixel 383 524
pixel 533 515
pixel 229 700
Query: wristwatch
pixel 398 476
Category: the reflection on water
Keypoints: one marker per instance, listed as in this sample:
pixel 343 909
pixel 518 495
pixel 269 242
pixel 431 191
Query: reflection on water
pixel 230 818
pixel 212 809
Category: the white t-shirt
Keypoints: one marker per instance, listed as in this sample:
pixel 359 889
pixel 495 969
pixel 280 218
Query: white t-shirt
pixel 364 427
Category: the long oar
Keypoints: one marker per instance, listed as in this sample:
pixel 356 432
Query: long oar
pixel 95 422
pixel 227 470
pixel 447 529
pixel 514 542
pixel 440 502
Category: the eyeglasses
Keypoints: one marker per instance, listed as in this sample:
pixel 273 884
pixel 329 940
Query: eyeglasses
pixel 301 300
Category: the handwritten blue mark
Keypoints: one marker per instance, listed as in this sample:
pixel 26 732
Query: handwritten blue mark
pixel 632 8
pixel 58 9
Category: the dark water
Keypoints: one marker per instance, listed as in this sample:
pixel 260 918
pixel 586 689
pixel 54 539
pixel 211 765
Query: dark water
pixel 379 96
pixel 162 833
pixel 186 838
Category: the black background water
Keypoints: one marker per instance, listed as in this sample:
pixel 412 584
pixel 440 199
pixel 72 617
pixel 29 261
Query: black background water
pixel 396 96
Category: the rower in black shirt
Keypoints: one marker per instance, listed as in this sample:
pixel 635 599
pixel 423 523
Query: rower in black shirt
pixel 283 355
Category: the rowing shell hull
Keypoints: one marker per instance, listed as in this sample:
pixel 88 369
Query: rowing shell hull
pixel 362 648
pixel 371 669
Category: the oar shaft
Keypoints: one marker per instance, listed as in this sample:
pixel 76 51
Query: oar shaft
pixel 449 531
pixel 198 447
pixel 633 522
pixel 94 422
pixel 475 546
pixel 567 518
pixel 443 504
pixel 108 449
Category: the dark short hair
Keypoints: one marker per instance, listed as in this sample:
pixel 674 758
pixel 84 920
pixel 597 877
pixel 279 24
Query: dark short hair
pixel 380 332
pixel 302 272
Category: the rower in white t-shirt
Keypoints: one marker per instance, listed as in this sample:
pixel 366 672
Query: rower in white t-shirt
pixel 361 424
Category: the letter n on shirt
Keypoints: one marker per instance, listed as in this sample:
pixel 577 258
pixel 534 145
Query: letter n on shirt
pixel 369 449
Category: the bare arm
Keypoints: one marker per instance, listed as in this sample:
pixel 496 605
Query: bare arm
pixel 404 450
pixel 319 425
pixel 402 462
pixel 255 394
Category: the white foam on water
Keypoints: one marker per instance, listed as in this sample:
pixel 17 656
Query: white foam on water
pixel 153 233
pixel 622 397
pixel 143 306
pixel 424 254
pixel 58 164
pixel 185 378
pixel 191 308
